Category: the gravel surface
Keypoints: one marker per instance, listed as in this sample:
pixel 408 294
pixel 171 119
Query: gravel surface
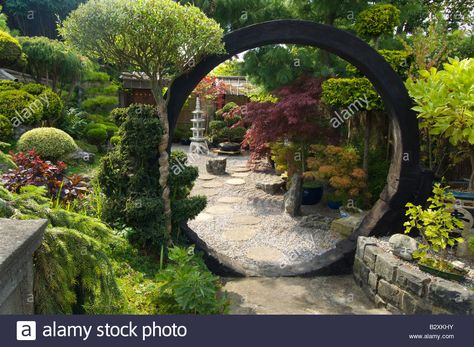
pixel 282 241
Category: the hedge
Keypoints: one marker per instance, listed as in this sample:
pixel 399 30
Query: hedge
pixel 50 143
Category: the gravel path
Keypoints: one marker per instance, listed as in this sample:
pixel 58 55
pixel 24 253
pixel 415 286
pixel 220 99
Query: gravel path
pixel 246 227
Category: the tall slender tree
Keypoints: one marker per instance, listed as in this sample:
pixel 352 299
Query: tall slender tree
pixel 161 38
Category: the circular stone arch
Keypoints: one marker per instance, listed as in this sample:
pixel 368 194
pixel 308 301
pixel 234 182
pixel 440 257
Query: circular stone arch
pixel 406 180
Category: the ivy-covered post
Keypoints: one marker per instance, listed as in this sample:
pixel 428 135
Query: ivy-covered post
pixel 161 38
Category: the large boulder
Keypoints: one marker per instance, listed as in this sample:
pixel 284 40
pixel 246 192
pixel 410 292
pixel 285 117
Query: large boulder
pixel 294 196
pixel 216 166
pixel 403 246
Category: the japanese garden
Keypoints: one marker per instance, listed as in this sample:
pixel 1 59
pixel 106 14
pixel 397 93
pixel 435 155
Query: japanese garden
pixel 233 157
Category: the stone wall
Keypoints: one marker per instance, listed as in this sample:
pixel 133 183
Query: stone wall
pixel 18 241
pixel 392 283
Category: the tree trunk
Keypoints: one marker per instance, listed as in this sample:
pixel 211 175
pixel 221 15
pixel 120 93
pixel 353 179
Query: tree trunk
pixel 471 179
pixel 161 103
pixel 164 170
pixel 365 164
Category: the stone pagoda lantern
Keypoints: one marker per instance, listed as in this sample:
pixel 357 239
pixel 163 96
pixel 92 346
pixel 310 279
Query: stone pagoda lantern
pixel 198 141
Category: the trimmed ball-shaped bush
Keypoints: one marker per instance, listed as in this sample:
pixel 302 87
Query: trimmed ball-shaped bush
pixel 6 128
pixel 49 143
pixel 53 106
pixel 97 136
pixel 21 107
pixel 10 49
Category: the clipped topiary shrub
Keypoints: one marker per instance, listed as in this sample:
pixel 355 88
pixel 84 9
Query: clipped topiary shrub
pixel 6 128
pixel 100 104
pixel 33 88
pixel 50 143
pixel 135 200
pixel 97 136
pixel 53 110
pixel 21 107
pixel 10 49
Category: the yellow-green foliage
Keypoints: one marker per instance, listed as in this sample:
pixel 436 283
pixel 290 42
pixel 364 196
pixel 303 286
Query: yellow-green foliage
pixel 6 128
pixel 342 92
pixel 10 49
pixel 20 105
pixel 399 60
pixel 377 20
pixel 49 143
pixel 73 269
pixel 435 223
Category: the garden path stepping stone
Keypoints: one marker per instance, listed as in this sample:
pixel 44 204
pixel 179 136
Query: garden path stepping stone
pixel 240 169
pixel 265 254
pixel 206 177
pixel 235 182
pixel 245 220
pixel 230 200
pixel 242 233
pixel 220 210
pixel 241 174
pixel 211 185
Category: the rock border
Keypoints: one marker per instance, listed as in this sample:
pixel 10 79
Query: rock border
pixel 392 284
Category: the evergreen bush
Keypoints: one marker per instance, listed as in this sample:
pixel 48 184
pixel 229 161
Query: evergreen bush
pixel 50 143
pixel 129 177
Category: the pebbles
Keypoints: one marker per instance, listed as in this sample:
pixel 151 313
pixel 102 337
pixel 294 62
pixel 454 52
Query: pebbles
pixel 248 228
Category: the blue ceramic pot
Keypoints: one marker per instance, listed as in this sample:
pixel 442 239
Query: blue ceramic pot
pixel 312 196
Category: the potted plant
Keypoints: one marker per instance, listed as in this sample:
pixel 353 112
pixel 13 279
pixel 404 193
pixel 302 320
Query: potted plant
pixel 312 192
pixel 337 166
pixel 439 229
pixel 335 200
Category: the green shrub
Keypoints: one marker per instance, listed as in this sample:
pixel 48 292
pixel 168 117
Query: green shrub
pixel 471 244
pixel 229 107
pixel 216 125
pixel 10 49
pixel 53 110
pixel 50 143
pixel 377 20
pixel 399 60
pixel 21 107
pixel 115 140
pixel 9 85
pixel 33 88
pixel 75 122
pixel 119 115
pixel 100 104
pixel 73 267
pixel 234 134
pixel 188 287
pixel 135 200
pixel 6 128
pixel 97 136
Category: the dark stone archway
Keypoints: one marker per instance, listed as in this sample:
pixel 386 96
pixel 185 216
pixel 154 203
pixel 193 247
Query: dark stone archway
pixel 406 180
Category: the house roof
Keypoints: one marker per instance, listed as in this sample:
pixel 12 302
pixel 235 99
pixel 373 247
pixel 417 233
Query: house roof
pixel 12 75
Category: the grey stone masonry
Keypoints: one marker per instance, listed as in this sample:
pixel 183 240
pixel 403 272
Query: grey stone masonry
pixel 18 241
pixel 400 287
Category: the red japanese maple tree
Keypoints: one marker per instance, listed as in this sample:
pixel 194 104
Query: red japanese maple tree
pixel 296 117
